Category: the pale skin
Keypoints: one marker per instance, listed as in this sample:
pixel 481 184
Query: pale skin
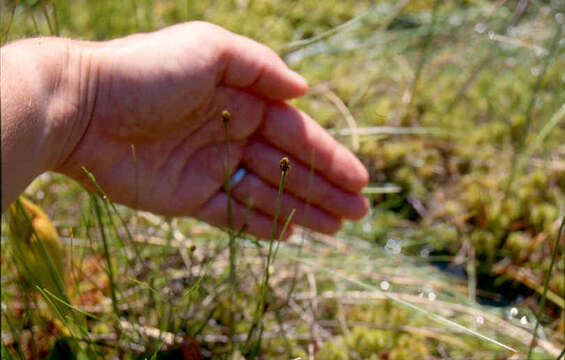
pixel 68 104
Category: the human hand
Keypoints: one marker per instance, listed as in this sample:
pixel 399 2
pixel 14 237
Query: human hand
pixel 164 92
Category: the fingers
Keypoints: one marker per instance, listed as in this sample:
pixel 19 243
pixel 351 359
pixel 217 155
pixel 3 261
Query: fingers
pixel 263 160
pixel 199 177
pixel 256 223
pixel 258 68
pixel 264 198
pixel 295 133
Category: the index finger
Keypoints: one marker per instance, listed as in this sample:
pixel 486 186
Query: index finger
pixel 255 67
pixel 295 133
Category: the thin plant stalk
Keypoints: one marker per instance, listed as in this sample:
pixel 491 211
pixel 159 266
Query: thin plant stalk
pixel 545 288
pixel 306 218
pixel 109 204
pixel 263 289
pixel 527 124
pixel 537 86
pixel 226 116
pixel 110 207
pixel 425 52
pixel 106 250
pixel 486 60
pixel 10 21
pixel 46 16
pixel 283 231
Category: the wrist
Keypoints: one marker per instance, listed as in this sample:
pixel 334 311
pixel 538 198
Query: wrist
pixel 72 88
pixel 47 92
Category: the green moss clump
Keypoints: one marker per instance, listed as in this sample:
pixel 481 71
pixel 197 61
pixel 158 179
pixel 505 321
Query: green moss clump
pixel 333 350
pixel 409 347
pixel 366 342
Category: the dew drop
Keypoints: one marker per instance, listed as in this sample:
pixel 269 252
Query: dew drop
pixel 535 70
pixel 513 312
pixel 385 285
pixel 454 20
pixel 524 320
pixel 480 28
pixel 540 51
pixel 432 296
pixel 480 320
pixel 393 246
pixel 491 35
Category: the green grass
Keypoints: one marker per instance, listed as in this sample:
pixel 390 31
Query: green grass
pixel 462 132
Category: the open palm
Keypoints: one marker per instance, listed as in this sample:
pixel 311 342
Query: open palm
pixel 164 92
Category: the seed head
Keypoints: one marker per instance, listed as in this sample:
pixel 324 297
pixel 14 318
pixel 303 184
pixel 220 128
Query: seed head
pixel 226 116
pixel 285 164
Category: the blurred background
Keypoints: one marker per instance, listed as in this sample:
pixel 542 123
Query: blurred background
pixel 457 108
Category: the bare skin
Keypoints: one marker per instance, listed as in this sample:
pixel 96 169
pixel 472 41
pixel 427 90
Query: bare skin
pixel 79 104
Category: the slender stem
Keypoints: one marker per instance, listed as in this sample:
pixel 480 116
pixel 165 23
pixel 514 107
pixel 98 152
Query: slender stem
pixel 545 287
pixel 98 211
pixel 529 111
pixel 46 16
pixel 232 250
pixel 425 52
pixel 10 20
pixel 260 305
pixel 277 207
pixel 306 219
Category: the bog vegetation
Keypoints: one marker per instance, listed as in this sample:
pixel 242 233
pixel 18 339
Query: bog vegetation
pixel 457 108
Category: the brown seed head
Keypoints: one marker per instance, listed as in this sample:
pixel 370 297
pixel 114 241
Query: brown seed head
pixel 285 164
pixel 226 116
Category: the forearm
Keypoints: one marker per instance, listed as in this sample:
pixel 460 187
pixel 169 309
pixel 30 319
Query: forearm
pixel 42 107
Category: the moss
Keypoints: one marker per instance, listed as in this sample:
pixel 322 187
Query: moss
pixel 485 243
pixel 557 283
pixel 366 342
pixel 333 350
pixel 518 243
pixel 543 216
pixel 409 347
